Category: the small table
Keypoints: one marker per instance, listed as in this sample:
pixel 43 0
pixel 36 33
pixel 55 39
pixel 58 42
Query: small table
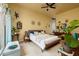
pixel 15 37
pixel 59 33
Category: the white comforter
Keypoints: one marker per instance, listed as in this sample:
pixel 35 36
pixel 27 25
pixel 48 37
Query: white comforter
pixel 50 38
pixel 42 39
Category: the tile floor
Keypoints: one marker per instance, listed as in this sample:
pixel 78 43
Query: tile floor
pixel 31 49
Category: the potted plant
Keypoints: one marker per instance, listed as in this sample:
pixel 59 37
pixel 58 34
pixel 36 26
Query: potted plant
pixel 70 41
pixel 14 30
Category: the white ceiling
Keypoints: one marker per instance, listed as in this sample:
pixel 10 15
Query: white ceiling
pixel 60 7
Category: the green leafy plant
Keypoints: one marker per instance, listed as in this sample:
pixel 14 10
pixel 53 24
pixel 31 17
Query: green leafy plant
pixel 14 30
pixel 70 41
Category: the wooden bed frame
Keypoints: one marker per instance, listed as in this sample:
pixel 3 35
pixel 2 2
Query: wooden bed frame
pixel 47 45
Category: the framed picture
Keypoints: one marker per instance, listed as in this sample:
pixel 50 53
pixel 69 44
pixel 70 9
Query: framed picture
pixel 19 25
pixel 39 23
pixel 33 22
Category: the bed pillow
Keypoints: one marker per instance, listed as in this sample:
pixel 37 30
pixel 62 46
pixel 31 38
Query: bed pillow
pixel 42 32
pixel 35 33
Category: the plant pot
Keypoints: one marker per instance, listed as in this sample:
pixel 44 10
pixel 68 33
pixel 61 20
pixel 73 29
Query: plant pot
pixel 66 48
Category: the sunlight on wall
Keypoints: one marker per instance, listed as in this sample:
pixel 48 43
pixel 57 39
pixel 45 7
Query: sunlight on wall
pixel 69 15
pixel 27 16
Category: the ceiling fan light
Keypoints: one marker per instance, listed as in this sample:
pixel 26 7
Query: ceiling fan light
pixel 49 5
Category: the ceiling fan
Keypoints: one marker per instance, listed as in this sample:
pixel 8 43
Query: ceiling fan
pixel 49 5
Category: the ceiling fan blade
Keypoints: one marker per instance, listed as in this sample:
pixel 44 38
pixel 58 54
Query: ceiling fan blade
pixel 52 4
pixel 53 7
pixel 47 4
pixel 44 7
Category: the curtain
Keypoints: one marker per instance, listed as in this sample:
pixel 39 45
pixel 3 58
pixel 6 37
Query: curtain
pixel 5 25
pixel 2 18
pixel 8 25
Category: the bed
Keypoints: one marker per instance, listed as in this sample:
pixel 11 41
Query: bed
pixel 43 40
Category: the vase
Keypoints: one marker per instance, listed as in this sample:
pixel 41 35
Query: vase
pixel 66 48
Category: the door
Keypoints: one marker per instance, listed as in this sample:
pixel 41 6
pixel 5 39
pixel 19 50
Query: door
pixel 53 25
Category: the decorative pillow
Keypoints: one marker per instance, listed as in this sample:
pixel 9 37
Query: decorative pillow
pixel 32 32
pixel 35 33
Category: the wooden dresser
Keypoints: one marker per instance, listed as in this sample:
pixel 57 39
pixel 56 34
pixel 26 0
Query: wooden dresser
pixel 15 37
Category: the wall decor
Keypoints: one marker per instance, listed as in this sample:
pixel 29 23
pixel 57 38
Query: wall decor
pixel 59 22
pixel 16 15
pixel 19 25
pixel 39 23
pixel 33 22
pixel 65 24
pixel 46 26
pixel 66 21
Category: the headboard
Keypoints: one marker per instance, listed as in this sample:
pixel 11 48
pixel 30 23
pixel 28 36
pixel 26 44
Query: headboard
pixel 31 31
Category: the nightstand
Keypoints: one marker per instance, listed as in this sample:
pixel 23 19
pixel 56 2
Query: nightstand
pixel 15 37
